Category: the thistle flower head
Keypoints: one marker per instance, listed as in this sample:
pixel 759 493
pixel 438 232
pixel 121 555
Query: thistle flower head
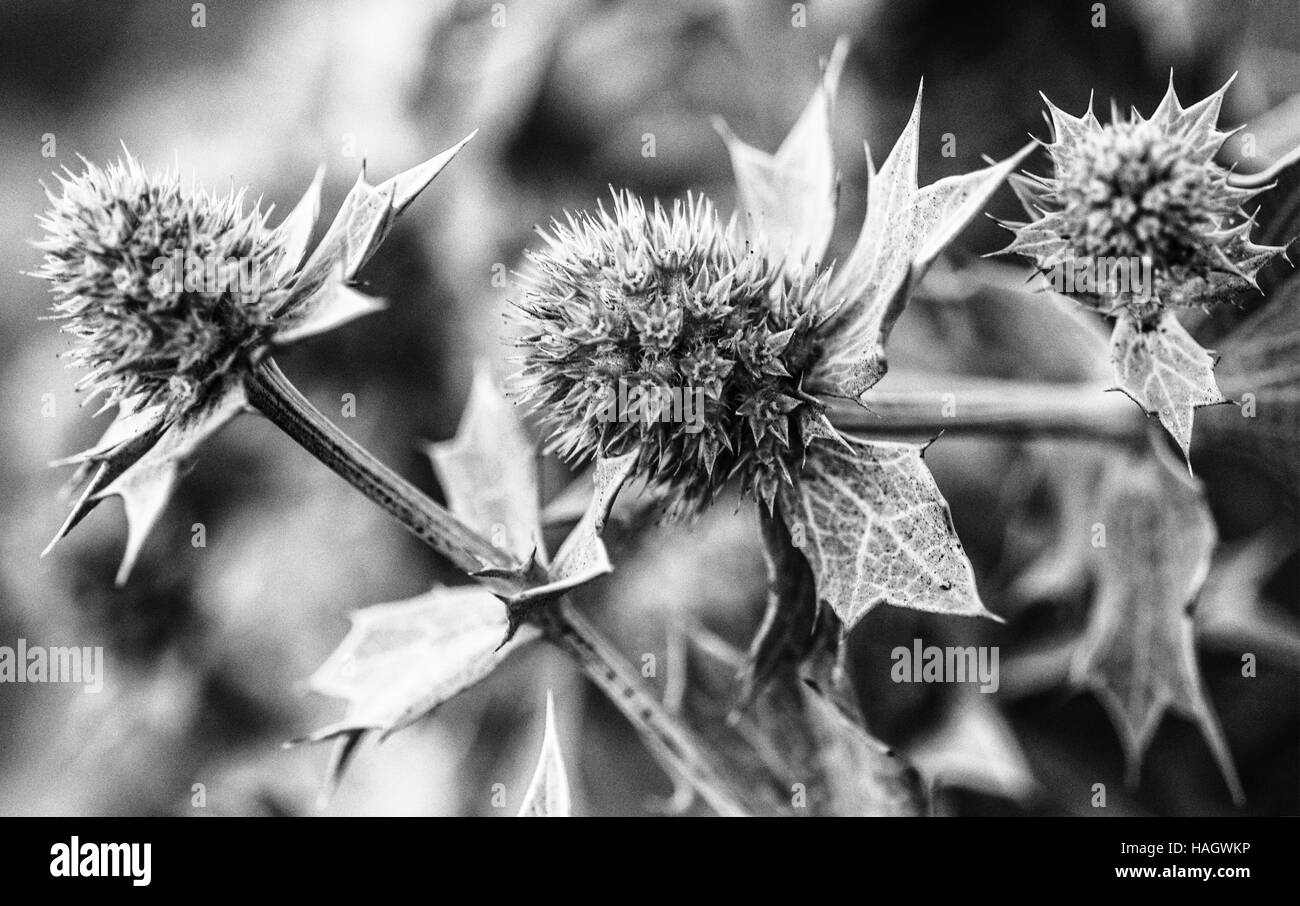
pixel 1145 190
pixel 165 288
pixel 656 329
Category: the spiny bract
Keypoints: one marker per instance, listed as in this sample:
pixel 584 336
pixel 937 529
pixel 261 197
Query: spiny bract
pixel 660 330
pixel 165 289
pixel 1143 189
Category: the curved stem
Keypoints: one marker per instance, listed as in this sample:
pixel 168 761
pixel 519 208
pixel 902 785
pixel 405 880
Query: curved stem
pixel 279 400
pixel 996 407
pixel 271 392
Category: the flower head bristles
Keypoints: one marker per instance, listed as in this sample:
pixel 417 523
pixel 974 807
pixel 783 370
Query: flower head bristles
pixel 164 288
pixel 659 330
pixel 1144 191
pixel 177 297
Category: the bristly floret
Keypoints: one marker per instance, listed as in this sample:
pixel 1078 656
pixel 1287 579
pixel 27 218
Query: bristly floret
pixel 1143 189
pixel 165 289
pixel 659 330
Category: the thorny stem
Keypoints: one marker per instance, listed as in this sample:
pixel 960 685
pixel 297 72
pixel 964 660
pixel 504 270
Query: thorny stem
pixel 271 392
pixel 995 407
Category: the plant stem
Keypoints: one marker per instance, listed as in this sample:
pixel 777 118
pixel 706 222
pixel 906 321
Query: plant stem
pixel 271 392
pixel 997 407
pixel 675 746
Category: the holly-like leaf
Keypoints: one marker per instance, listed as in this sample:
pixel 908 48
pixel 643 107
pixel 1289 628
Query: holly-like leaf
pixel 140 458
pixel 876 530
pixel 905 229
pixel 365 218
pixel 401 660
pixel 489 473
pixel 1137 653
pixel 787 200
pixel 293 235
pixel 1165 372
pixel 548 793
pixel 583 553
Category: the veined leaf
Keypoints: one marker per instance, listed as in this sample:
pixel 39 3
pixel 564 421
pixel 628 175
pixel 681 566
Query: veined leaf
pixel 489 473
pixel 401 660
pixel 787 199
pixel 905 229
pixel 365 218
pixel 548 793
pixel 877 530
pixel 1137 654
pixel 1165 372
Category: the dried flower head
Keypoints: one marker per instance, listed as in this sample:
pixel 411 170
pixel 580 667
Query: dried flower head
pixel 1143 190
pixel 165 288
pixel 659 330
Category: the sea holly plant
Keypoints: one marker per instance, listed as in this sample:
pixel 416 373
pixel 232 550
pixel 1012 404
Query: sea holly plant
pixel 1138 221
pixel 681 353
pixel 176 299
pixel 659 304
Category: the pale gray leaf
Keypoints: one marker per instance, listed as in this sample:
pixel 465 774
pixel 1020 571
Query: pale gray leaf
pixel 1137 653
pixel 787 200
pixel 293 235
pixel 905 229
pixel 489 471
pixel 401 660
pixel 364 219
pixel 140 459
pixel 876 530
pixel 1165 372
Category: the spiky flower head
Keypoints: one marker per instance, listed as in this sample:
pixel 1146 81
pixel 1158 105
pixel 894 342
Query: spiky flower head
pixel 166 288
pixel 659 330
pixel 1147 191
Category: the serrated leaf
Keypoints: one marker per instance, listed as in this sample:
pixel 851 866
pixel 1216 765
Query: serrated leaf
pixel 140 458
pixel 1137 653
pixel 364 219
pixel 489 473
pixel 583 553
pixel 401 660
pixel 905 229
pixel 787 200
pixel 548 793
pixel 877 530
pixel 1165 371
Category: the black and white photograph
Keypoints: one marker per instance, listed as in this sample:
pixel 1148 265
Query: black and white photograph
pixel 618 408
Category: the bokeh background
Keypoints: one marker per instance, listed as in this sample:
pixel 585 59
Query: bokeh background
pixel 207 649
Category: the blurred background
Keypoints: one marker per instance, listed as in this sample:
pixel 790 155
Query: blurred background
pixel 207 649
